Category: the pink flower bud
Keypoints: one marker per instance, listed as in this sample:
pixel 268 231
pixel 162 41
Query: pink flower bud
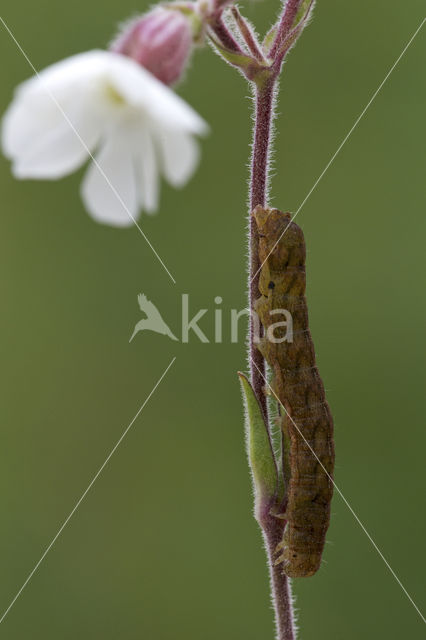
pixel 161 41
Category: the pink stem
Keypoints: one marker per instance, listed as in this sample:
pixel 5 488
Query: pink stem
pixel 247 35
pixel 223 34
pixel 280 584
pixel 264 108
pixel 290 11
pixel 272 527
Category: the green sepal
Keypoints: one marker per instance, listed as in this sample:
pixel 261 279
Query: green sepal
pixel 239 60
pixel 259 448
pixel 269 39
pixel 304 12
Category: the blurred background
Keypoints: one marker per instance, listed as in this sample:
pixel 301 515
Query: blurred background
pixel 164 547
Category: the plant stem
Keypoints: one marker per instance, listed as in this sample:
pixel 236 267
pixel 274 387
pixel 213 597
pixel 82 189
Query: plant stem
pixel 272 527
pixel 223 34
pixel 264 108
pixel 287 19
pixel 247 35
pixel 280 584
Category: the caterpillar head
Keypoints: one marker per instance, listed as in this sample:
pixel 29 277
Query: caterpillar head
pixel 281 241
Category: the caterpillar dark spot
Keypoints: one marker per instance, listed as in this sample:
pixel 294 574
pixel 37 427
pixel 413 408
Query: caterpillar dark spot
pixel 306 424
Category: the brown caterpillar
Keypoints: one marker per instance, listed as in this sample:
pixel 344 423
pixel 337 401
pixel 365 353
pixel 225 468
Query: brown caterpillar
pixel 299 388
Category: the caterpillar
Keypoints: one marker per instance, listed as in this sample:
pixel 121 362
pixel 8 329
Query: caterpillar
pixel 306 422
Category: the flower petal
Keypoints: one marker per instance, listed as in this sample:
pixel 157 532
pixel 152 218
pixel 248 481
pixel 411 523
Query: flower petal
pixel 180 156
pixel 59 151
pixel 141 89
pixel 104 96
pixel 42 128
pixel 147 172
pixel 69 74
pixel 109 189
pixel 71 83
pixel 27 120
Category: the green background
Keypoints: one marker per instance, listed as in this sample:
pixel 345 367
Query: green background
pixel 164 547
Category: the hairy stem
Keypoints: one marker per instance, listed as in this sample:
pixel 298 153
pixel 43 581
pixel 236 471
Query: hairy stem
pixel 247 35
pixel 280 584
pixel 264 107
pixel 272 527
pixel 287 19
pixel 225 37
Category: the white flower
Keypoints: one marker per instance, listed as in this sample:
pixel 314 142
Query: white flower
pixel 104 102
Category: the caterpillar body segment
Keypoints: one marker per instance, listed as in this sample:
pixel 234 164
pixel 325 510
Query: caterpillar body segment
pixel 305 417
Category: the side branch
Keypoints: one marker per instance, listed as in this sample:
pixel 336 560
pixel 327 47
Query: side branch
pixel 223 34
pixel 285 24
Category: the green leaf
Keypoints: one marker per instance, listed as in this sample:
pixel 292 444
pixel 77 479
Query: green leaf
pixel 259 449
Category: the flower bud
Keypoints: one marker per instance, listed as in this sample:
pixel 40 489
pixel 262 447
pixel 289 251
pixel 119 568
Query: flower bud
pixel 161 40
